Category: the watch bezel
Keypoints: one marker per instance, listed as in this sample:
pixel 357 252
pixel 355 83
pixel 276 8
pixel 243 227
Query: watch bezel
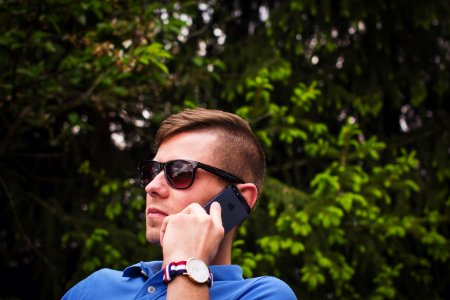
pixel 197 270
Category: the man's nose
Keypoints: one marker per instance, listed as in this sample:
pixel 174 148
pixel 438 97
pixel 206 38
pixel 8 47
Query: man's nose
pixel 157 185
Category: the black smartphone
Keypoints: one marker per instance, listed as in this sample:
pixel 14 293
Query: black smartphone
pixel 234 207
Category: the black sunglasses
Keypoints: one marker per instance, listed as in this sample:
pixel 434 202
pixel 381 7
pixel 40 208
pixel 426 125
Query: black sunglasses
pixel 179 173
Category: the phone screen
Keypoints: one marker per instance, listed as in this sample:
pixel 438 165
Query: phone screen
pixel 234 207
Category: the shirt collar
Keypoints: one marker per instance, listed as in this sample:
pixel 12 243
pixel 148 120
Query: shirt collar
pixel 147 269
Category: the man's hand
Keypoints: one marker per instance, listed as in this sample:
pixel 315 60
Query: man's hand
pixel 192 233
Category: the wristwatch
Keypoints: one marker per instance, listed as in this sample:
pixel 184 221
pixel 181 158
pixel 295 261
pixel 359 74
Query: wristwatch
pixel 196 270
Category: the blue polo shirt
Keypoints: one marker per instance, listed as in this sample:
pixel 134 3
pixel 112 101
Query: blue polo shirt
pixel 145 281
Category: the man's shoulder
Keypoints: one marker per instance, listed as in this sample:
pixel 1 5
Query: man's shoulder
pixel 101 280
pixel 267 280
pixel 105 274
pixel 264 287
pixel 270 285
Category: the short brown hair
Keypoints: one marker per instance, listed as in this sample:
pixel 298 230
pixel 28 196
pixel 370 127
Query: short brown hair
pixel 238 152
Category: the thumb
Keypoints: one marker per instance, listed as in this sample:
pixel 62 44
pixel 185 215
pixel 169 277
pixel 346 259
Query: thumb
pixel 162 231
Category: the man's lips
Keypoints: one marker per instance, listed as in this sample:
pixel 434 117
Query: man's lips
pixel 154 212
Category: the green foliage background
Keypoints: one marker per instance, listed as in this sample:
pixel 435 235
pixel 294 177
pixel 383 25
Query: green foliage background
pixel 349 98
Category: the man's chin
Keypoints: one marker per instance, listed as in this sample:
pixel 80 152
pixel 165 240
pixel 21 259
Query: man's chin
pixel 153 238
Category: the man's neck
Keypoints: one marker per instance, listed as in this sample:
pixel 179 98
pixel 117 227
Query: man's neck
pixel 223 256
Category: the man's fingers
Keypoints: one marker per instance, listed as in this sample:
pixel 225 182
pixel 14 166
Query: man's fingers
pixel 215 212
pixel 193 210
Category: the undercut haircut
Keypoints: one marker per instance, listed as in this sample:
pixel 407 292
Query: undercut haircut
pixel 237 151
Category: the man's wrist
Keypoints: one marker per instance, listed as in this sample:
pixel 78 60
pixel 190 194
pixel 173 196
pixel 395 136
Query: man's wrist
pixel 194 268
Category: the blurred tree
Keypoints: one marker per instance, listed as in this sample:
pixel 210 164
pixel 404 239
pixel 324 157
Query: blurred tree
pixel 349 99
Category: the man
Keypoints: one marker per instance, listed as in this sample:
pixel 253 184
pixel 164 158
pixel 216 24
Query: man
pixel 199 153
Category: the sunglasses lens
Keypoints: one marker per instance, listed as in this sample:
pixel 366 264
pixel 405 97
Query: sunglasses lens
pixel 180 173
pixel 148 172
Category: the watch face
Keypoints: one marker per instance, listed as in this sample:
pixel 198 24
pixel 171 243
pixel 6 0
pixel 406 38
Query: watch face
pixel 197 270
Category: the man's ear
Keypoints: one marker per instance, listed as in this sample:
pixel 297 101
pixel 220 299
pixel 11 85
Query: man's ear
pixel 250 193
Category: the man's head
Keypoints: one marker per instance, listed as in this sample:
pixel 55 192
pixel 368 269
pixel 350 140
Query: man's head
pixel 217 139
pixel 237 150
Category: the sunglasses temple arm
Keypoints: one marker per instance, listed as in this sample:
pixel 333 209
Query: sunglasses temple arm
pixel 221 173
